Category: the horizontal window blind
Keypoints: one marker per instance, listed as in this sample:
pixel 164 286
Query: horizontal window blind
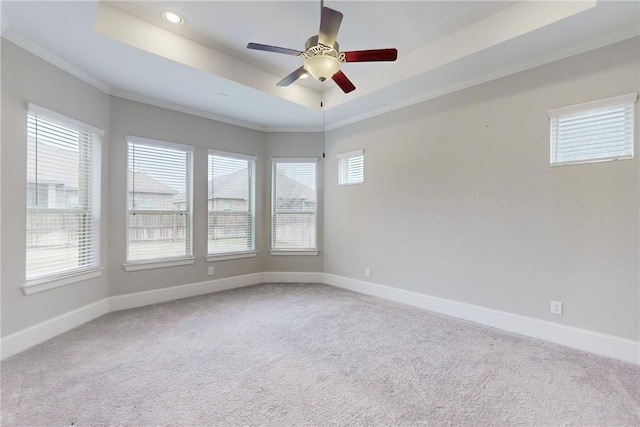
pixel 597 131
pixel 159 200
pixel 351 168
pixel 231 203
pixel 294 205
pixel 63 196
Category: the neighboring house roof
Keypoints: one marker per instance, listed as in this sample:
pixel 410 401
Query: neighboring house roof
pixel 146 184
pixel 234 187
pixel 231 186
pixel 292 189
pixel 69 176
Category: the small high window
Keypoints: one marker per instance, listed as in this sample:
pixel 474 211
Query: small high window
pixel 593 132
pixel 351 168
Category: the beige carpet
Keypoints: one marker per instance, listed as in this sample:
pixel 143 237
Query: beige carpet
pixel 292 354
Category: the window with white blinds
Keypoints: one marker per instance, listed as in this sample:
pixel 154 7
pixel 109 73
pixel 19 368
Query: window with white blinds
pixel 63 196
pixel 593 132
pixel 231 203
pixel 294 205
pixel 159 193
pixel 351 168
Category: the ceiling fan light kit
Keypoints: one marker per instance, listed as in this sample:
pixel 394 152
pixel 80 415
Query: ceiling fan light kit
pixel 321 61
pixel 322 56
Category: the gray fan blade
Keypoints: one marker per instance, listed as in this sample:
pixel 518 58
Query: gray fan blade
pixel 276 49
pixel 329 25
pixel 292 77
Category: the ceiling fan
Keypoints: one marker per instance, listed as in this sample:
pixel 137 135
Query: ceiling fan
pixel 322 56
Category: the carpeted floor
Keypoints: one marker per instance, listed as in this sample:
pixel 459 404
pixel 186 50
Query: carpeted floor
pixel 294 354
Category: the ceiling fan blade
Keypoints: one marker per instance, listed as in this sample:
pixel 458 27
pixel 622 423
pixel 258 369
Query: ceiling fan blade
pixel 276 49
pixel 329 25
pixel 371 55
pixel 292 77
pixel 343 82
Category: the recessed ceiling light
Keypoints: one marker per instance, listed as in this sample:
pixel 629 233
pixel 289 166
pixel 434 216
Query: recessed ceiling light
pixel 173 17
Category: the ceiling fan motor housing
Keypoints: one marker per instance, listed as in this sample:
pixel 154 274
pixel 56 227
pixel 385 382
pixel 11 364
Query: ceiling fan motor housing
pixel 321 61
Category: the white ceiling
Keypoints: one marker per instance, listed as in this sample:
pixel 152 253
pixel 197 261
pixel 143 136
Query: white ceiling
pixel 203 66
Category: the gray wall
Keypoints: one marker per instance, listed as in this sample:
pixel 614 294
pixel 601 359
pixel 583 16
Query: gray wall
pixel 134 118
pixel 26 78
pixel 460 202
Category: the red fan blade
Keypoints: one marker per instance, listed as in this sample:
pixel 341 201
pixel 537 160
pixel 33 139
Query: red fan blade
pixel 371 55
pixel 276 49
pixel 329 25
pixel 292 77
pixel 343 82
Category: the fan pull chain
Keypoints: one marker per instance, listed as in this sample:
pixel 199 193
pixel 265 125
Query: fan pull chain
pixel 324 131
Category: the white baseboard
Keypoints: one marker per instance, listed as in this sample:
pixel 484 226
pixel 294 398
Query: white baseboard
pixel 581 339
pixel 291 277
pixel 594 342
pixel 36 334
pixel 139 299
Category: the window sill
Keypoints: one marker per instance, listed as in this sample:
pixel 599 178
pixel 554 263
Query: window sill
pixel 227 256
pixel 304 252
pixel 59 281
pixel 148 265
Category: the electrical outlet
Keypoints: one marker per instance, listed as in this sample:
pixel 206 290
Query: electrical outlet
pixel 210 271
pixel 556 308
pixel 367 272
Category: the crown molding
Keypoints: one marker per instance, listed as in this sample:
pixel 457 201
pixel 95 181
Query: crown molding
pixel 292 129
pixel 184 109
pixel 44 54
pixel 588 45
pixel 205 114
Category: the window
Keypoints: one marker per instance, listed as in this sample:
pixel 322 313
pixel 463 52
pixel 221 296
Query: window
pixel 159 201
pixel 231 203
pixel 593 132
pixel 351 168
pixel 294 205
pixel 63 196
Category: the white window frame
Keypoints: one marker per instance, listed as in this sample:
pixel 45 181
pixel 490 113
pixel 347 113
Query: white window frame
pixel 248 252
pixel 93 269
pixel 292 251
pixel 568 126
pixel 159 262
pixel 346 162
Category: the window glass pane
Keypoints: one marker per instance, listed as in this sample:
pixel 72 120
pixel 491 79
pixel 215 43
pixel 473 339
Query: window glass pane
pixel 230 204
pixel 157 235
pixel 159 201
pixel 63 198
pixel 294 206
